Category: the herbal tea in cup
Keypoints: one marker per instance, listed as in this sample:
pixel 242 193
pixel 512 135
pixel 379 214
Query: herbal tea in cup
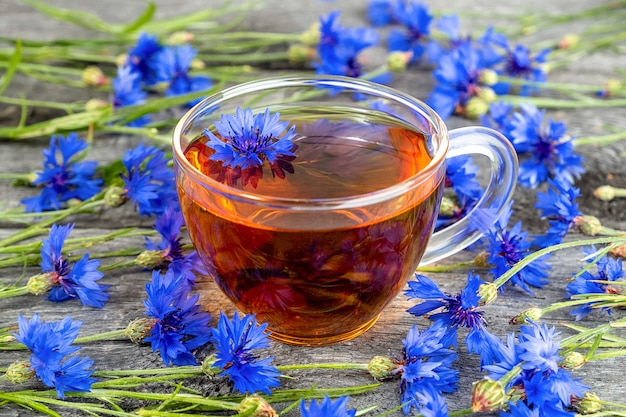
pixel 312 200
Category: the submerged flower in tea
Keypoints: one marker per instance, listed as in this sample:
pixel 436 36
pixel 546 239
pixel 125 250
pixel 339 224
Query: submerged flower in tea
pixel 244 142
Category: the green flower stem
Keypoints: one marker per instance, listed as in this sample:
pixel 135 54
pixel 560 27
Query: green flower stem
pixel 509 376
pixel 17 177
pixel 42 226
pixel 600 140
pixel 13 292
pixel 502 279
pixel 585 334
pixel 66 107
pixel 247 59
pixel 29 400
pixel 557 103
pixel 446 268
pixel 337 365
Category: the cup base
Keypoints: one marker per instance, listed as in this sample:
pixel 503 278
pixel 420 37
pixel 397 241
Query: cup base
pixel 322 340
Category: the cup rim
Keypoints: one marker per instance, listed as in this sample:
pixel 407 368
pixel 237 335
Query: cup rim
pixel 359 200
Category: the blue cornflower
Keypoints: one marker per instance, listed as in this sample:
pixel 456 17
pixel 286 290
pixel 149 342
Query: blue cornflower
pixel 170 247
pixel 382 12
pixel 544 148
pixel 246 141
pixel 179 327
pixel 425 366
pixel 516 61
pixel 66 178
pixel 236 341
pixel 69 281
pixel 499 117
pixel 339 48
pixel 148 181
pixel 458 80
pixel 416 19
pixel 327 408
pixel 461 178
pixel 539 348
pixel 172 65
pixel 506 247
pixel 558 205
pixel 460 310
pixel 51 345
pixel 450 26
pixel 141 55
pixel 127 91
pixel 608 269
pixel 432 404
pixel 546 387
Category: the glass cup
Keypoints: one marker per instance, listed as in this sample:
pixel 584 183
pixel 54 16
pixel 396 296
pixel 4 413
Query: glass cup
pixel 318 240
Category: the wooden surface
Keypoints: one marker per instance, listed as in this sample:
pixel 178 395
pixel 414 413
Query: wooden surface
pixel 603 164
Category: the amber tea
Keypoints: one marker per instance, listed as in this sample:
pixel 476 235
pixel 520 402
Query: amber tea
pixel 316 278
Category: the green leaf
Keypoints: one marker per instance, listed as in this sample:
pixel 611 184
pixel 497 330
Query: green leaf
pixel 13 63
pixel 91 21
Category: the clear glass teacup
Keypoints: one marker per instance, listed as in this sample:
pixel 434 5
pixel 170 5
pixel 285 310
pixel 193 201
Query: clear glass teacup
pixel 312 200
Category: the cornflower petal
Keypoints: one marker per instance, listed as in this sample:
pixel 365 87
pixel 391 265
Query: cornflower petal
pixel 608 269
pixel 180 327
pixel 327 408
pixel 63 179
pixel 127 91
pixel 51 344
pixel 545 149
pixel 235 341
pixel 426 364
pixel 149 181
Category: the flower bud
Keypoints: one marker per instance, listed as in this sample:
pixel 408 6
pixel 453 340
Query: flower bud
pixel 114 196
pixel 488 77
pixel 487 395
pixel 311 37
pixel 179 38
pixel 121 60
pixel 476 107
pixel 570 40
pixel 527 316
pixel 94 77
pixel 488 292
pixel 300 53
pixel 256 406
pixel 589 225
pixel 381 367
pixel 589 404
pixel 96 104
pixel 487 94
pixel 150 259
pixel 197 64
pixel 573 360
pixel 449 206
pixel 604 193
pixel 619 251
pixel 398 61
pixel 19 372
pixel 7 338
pixel 39 284
pixel 208 366
pixel 139 329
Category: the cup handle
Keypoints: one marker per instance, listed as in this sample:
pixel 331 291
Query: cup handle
pixel 504 167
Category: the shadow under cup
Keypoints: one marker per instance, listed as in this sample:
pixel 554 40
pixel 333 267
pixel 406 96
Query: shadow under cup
pixel 319 253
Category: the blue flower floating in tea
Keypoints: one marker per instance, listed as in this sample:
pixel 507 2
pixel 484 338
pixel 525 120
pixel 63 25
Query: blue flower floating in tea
pixel 245 142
